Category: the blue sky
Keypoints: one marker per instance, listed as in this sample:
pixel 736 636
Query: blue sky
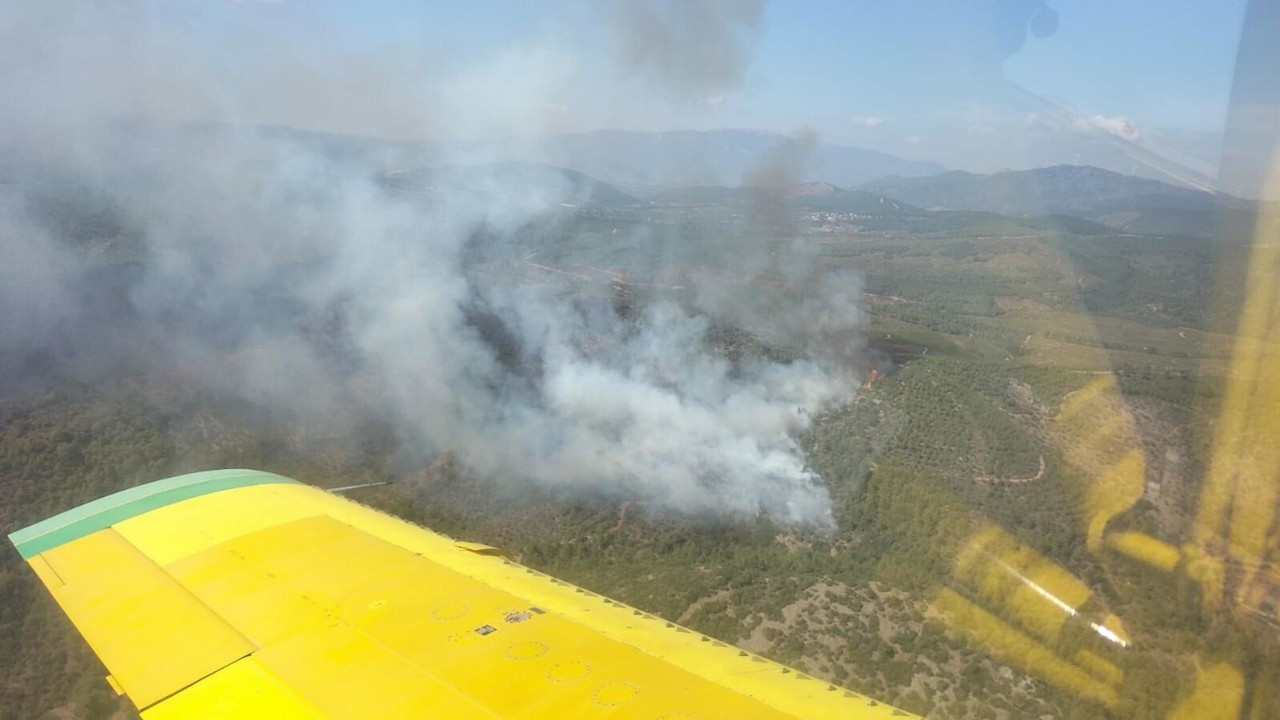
pixel 1161 62
pixel 927 79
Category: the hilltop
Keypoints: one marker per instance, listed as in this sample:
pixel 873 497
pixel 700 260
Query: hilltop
pixel 1123 202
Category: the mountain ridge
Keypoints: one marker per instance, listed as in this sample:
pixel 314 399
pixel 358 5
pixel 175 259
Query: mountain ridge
pixel 645 161
pixel 1124 202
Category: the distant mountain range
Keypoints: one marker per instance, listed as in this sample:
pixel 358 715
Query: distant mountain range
pixel 1122 202
pixel 809 196
pixel 640 161
pixel 623 168
pixel 1074 199
pixel 692 167
pixel 525 180
pixel 636 162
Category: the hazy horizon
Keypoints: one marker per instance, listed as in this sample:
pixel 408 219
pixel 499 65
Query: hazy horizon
pixel 979 86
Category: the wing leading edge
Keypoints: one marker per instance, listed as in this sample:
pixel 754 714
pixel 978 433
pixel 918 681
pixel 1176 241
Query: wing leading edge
pixel 238 593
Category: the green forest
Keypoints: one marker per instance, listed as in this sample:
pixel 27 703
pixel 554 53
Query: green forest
pixel 986 328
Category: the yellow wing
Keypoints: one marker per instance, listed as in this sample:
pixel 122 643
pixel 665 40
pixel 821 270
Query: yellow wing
pixel 238 594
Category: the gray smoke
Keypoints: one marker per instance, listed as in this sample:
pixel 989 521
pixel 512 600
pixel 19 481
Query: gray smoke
pixel 689 48
pixel 305 275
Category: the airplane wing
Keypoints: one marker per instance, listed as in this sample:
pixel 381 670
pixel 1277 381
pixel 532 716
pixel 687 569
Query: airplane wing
pixel 240 594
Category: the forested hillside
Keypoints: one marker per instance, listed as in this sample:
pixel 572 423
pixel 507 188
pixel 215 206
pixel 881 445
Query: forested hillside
pixel 981 330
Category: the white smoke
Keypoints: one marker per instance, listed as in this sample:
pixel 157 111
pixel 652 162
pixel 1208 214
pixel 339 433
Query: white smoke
pixel 284 269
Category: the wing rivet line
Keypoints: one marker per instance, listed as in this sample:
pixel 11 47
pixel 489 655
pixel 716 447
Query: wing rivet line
pixel 526 650
pixel 444 613
pixel 615 694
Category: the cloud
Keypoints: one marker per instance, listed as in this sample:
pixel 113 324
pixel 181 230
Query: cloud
pixel 1064 121
pixel 867 120
pixel 1117 125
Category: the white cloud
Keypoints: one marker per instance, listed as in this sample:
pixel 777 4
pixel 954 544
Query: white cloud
pixel 867 120
pixel 1117 125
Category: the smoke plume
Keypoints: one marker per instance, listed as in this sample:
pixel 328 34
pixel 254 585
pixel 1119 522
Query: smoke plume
pixel 311 273
pixel 694 49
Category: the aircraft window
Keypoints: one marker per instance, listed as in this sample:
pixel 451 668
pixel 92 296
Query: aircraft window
pixel 929 348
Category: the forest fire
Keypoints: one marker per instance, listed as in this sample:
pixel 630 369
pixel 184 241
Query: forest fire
pixel 872 377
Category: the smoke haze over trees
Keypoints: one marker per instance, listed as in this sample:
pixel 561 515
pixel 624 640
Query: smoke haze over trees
pixel 308 283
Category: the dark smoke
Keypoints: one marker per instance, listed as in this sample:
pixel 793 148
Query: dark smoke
pixel 689 48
